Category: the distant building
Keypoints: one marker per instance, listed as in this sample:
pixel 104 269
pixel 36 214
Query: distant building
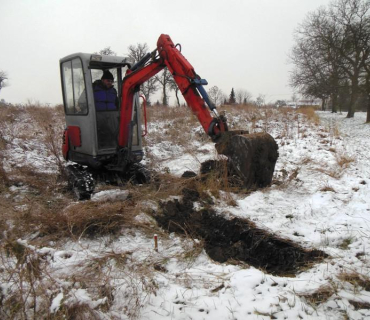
pixel 304 102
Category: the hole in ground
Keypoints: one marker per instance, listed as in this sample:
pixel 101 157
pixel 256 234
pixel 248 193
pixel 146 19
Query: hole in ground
pixel 237 239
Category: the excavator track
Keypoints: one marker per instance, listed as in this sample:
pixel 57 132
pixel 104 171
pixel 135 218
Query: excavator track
pixel 82 180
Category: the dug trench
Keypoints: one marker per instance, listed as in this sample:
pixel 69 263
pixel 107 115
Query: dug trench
pixel 234 239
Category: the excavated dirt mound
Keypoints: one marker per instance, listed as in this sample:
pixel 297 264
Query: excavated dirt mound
pixel 234 239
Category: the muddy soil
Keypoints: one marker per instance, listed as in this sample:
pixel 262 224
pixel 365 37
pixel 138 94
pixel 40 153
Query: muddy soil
pixel 234 239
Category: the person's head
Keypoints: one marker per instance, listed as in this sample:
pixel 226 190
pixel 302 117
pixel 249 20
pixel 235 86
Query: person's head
pixel 107 79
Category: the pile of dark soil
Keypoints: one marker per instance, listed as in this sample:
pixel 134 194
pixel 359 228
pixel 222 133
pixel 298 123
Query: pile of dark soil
pixel 234 239
pixel 252 156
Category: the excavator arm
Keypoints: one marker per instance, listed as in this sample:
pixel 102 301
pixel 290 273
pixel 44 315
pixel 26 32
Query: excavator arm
pixel 191 87
pixel 252 157
pixel 189 83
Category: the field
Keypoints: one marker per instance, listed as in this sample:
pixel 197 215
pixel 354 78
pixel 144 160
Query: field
pixel 295 250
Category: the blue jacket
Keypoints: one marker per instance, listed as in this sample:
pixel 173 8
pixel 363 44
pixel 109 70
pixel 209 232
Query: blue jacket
pixel 105 99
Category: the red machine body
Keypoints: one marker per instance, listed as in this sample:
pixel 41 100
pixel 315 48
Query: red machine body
pixel 71 138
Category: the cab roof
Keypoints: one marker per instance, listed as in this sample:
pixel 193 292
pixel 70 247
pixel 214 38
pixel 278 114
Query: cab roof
pixel 99 61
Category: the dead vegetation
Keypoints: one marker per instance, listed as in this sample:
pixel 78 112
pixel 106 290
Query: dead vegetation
pixel 358 281
pixel 319 296
pixel 32 290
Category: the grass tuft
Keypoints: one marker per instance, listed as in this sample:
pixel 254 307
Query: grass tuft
pixel 319 296
pixel 356 280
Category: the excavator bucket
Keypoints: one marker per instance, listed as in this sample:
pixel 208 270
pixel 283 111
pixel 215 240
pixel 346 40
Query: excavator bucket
pixel 252 157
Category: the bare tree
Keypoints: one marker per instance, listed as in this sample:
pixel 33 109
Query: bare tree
pixel 148 88
pixel 351 21
pixel 3 78
pixel 173 86
pixel 164 78
pixel 295 98
pixel 107 51
pixel 317 66
pixel 260 101
pixel 242 96
pixel 332 50
pixel 366 86
pixel 216 95
pixel 136 53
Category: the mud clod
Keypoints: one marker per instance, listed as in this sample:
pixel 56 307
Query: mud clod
pixel 189 174
pixel 234 239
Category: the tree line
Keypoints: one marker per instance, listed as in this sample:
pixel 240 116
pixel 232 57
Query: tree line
pixel 331 55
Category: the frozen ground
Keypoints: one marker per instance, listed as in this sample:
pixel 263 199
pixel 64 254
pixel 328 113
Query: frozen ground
pixel 320 200
pixel 323 203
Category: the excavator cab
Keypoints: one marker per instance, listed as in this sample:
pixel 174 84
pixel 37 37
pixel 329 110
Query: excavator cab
pixel 91 133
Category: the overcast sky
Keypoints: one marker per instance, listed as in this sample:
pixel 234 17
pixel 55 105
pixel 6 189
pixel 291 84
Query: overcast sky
pixel 232 43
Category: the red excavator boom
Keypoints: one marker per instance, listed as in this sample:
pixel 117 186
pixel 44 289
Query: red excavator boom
pixel 189 83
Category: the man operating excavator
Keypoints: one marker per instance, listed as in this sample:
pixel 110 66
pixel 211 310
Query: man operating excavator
pixel 106 100
pixel 105 94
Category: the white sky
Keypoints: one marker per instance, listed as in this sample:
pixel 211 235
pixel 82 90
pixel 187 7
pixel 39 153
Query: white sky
pixel 231 43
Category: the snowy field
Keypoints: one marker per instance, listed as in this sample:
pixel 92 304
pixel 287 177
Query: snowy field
pixel 319 199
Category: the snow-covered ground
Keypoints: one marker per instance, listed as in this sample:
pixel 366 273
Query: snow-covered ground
pixel 320 200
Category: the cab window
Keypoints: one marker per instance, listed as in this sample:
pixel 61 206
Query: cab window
pixel 75 99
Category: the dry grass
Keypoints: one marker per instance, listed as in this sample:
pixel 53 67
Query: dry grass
pixel 49 121
pixel 358 281
pixel 310 114
pixel 23 270
pixel 98 219
pixel 359 304
pixel 31 288
pixel 335 173
pixel 56 218
pixel 327 188
pixel 319 296
pixel 344 245
pixel 4 179
pixel 176 125
pixel 286 179
pixel 9 115
pixel 344 160
pixel 160 113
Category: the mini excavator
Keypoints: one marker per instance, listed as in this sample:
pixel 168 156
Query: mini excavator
pixel 110 141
